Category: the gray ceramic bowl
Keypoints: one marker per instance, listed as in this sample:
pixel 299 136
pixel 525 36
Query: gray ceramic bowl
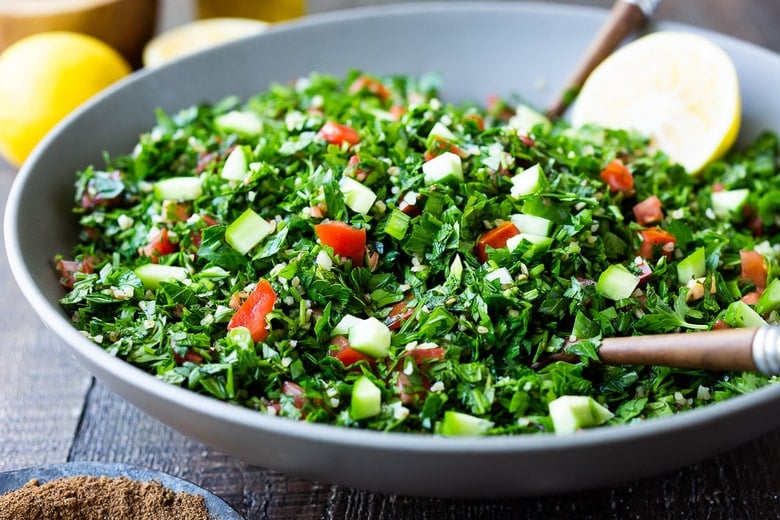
pixel 480 49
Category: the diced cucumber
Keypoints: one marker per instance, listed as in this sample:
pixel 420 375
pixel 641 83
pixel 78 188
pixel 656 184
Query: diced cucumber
pixel 740 314
pixel 345 324
pixel 770 299
pixel 440 130
pixel 239 121
pixel 371 337
pixel 247 231
pixel 366 399
pixel 616 282
pixel 358 197
pixel 727 202
pixel 542 241
pixel 397 224
pixel 692 266
pixel 526 118
pixel 570 413
pixel 458 423
pixel 501 274
pixel 443 168
pixel 178 188
pixel 528 182
pixel 235 167
pixel 532 224
pixel 153 274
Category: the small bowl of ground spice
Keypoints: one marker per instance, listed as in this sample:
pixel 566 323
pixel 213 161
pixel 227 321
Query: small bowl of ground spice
pixel 91 490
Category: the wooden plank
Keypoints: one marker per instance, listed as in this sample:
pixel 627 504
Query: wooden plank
pixel 35 370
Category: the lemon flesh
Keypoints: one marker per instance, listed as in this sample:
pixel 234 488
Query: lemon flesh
pixel 44 77
pixel 679 89
pixel 198 35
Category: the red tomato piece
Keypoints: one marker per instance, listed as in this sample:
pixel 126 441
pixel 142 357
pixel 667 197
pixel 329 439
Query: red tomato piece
pixel 296 392
pixel 477 120
pixel 397 111
pixel 648 211
pixel 190 355
pixel 495 238
pixel 252 313
pixel 158 246
pixel 399 313
pixel 655 240
pixel 645 271
pixel 753 268
pixel 618 177
pixel 336 133
pixel 346 241
pixel 408 392
pixel 369 84
pixel 346 354
pixel 69 268
pixel 751 298
pixel 423 354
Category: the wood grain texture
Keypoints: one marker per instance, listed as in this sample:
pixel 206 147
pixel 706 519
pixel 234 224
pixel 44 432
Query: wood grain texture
pixel 50 410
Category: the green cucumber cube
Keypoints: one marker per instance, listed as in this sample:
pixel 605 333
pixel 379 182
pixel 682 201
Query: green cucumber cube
pixel 178 188
pixel 526 118
pixel 366 399
pixel 727 202
pixel 358 197
pixel 443 168
pixel 770 299
pixel 616 282
pixel 440 130
pixel 570 413
pixel 152 275
pixel 692 266
pixel 740 314
pixel 458 423
pixel 532 224
pixel 344 325
pixel 528 182
pixel 235 167
pixel 371 337
pixel 247 231
pixel 541 241
pixel 239 121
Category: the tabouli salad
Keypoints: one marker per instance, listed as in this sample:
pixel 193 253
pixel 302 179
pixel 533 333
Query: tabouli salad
pixel 354 251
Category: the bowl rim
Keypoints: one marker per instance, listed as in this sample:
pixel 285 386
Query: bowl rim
pixel 98 360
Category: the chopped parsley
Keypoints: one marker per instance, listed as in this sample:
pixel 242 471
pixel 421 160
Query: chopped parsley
pixel 273 252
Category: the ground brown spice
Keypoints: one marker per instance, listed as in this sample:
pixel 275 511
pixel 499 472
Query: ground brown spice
pixel 100 498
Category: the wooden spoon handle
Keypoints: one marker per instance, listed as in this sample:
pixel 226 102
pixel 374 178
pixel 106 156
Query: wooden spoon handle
pixel 626 17
pixel 748 349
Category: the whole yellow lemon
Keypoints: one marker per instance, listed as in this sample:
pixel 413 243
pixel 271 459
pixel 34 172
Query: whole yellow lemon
pixel 43 78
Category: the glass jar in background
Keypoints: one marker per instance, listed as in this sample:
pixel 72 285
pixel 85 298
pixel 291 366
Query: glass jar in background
pixel 266 10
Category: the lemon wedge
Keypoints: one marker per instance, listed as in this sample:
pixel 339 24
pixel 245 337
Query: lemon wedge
pixel 679 89
pixel 198 35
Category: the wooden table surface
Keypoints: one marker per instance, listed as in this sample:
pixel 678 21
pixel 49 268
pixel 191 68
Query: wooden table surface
pixel 52 410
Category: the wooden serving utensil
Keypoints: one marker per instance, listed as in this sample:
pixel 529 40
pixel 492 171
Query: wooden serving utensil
pixel 742 349
pixel 625 18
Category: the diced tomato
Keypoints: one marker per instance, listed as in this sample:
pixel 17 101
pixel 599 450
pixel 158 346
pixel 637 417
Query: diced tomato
pixel 753 268
pixel 439 145
pixel 336 133
pixel 649 211
pixel 346 241
pixel 477 120
pixel 720 325
pixel 656 240
pixel 424 354
pixel 159 245
pixel 408 392
pixel 618 177
pixel 346 354
pixel 399 313
pixel 252 313
pixel 69 268
pixel 751 298
pixel 189 356
pixel 410 203
pixel 296 392
pixel 354 170
pixel 645 271
pixel 369 84
pixel 529 142
pixel 495 238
